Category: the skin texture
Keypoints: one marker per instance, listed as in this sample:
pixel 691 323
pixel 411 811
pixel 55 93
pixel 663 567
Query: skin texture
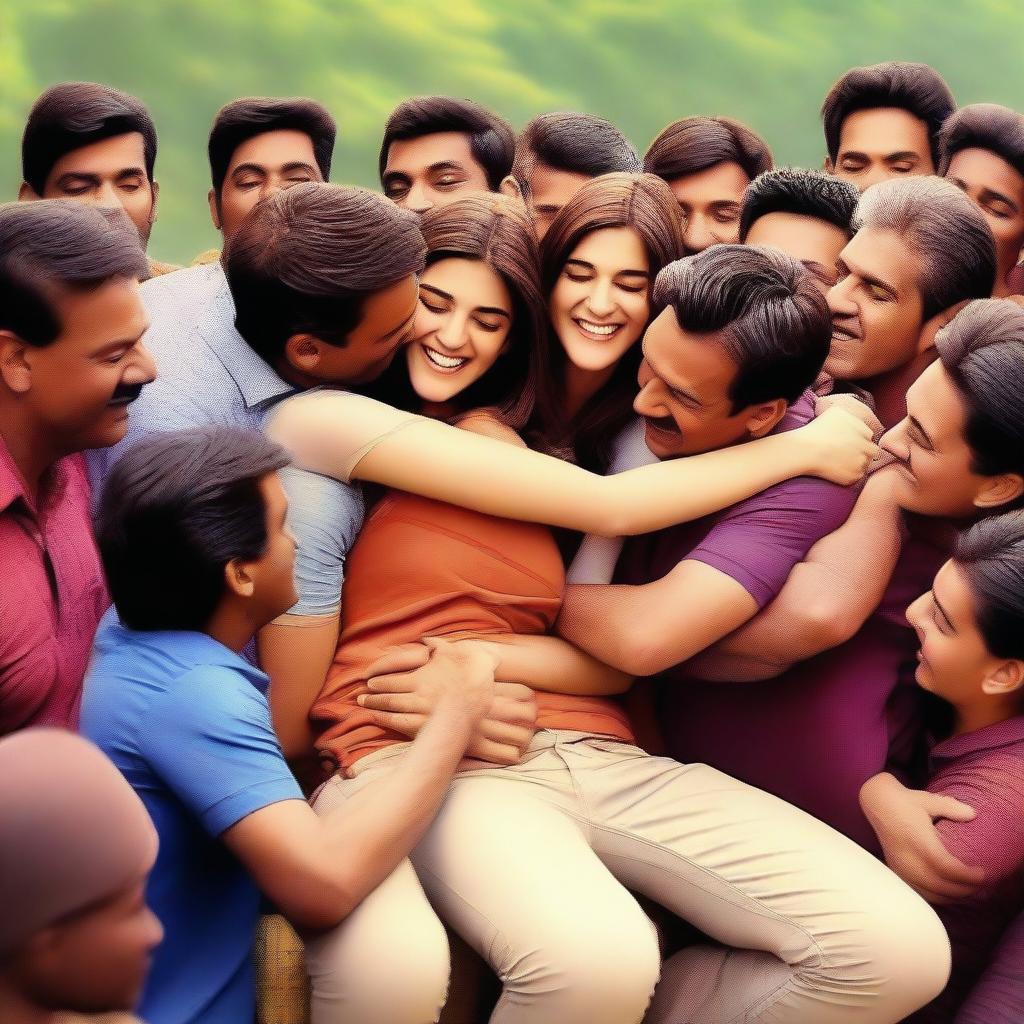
pixel 95 962
pixel 684 394
pixel 881 143
pixel 605 283
pixel 711 201
pixel 997 189
pixel 99 349
pixel 386 325
pixel 259 167
pixel 465 313
pixel 877 309
pixel 815 243
pixel 110 173
pixel 550 190
pixel 432 170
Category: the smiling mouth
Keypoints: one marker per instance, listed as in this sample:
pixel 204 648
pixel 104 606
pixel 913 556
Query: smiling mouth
pixel 443 363
pixel 843 334
pixel 664 425
pixel 601 332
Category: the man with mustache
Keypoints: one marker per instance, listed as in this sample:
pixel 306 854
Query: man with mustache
pixel 69 311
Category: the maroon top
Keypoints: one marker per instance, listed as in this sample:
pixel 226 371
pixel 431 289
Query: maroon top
pixel 815 734
pixel 52 594
pixel 1015 279
pixel 986 770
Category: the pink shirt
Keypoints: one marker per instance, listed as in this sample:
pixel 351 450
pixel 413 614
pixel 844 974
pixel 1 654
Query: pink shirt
pixel 52 594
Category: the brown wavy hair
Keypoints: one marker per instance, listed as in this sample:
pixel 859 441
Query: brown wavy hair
pixel 496 230
pixel 646 204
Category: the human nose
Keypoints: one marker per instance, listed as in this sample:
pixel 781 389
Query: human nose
pixel 894 441
pixel 142 369
pixel 696 235
pixel 418 199
pixel 840 298
pixel 649 401
pixel 599 299
pixel 452 333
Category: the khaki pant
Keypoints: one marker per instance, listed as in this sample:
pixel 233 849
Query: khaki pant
pixel 531 865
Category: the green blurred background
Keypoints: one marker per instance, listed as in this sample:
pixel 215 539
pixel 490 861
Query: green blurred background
pixel 640 64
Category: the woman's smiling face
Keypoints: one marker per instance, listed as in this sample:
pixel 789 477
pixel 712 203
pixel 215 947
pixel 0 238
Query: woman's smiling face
pixel 462 327
pixel 600 304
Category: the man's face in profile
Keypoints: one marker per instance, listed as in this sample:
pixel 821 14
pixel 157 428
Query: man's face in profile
pixel 432 170
pixel 549 191
pixel 881 143
pixel 811 241
pixel 260 166
pixel 110 173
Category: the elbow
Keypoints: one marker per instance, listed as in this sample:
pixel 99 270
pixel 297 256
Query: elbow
pixel 828 623
pixel 324 906
pixel 644 654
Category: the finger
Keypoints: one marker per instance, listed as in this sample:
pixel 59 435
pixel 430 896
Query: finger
pixel 407 725
pixel 496 753
pixel 941 806
pixel 501 732
pixel 947 870
pixel 395 703
pixel 516 692
pixel 392 683
pixel 403 658
pixel 513 711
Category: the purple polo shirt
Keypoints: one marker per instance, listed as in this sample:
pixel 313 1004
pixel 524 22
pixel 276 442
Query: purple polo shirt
pixel 52 594
pixel 815 734
pixel 986 770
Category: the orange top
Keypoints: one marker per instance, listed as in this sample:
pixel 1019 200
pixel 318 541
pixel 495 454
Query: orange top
pixel 423 568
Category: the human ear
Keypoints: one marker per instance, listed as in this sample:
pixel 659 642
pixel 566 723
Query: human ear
pixel 238 579
pixel 26 194
pixel 1007 678
pixel 15 369
pixel 211 198
pixel 155 189
pixel 829 166
pixel 999 490
pixel 765 416
pixel 510 187
pixel 930 328
pixel 303 352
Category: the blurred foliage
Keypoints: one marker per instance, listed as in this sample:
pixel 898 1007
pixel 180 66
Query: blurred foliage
pixel 640 63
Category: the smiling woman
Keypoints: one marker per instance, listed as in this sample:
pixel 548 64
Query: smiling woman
pixel 598 261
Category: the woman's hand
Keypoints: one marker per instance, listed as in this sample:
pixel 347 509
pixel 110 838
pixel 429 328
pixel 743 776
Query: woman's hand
pixel 839 446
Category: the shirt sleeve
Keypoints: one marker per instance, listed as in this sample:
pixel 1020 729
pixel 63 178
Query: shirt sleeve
pixel 211 741
pixel 324 515
pixel 757 542
pixel 998 996
pixel 994 839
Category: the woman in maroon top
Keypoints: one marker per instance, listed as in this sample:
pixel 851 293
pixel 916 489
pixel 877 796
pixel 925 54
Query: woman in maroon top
pixel 971 630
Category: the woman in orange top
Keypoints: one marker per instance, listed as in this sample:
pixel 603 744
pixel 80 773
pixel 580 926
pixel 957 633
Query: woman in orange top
pixel 529 860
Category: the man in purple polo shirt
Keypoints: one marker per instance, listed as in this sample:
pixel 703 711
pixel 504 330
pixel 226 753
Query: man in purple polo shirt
pixel 70 364
pixel 818 731
pixel 742 334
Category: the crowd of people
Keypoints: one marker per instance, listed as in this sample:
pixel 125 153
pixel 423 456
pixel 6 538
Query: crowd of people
pixel 614 561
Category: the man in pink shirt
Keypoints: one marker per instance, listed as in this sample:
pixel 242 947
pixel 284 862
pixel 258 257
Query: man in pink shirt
pixel 70 364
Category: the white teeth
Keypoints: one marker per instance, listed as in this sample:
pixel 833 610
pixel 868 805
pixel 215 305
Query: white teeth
pixel 604 329
pixel 445 362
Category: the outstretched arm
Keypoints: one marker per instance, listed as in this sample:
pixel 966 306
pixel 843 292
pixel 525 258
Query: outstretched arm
pixel 327 432
pixel 826 599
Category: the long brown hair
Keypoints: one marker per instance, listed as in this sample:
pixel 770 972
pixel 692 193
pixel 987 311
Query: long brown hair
pixel 494 229
pixel 646 204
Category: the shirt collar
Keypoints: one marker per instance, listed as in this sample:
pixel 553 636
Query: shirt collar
pixel 1002 734
pixel 13 487
pixel 256 380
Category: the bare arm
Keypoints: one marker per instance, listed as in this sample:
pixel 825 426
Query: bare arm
pixel 826 599
pixel 296 655
pixel 318 869
pixel 467 469
pixel 647 629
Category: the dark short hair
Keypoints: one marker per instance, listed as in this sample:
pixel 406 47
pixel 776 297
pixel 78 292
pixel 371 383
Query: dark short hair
pixel 75 114
pixel 796 190
pixel 175 510
pixel 916 88
pixel 943 227
pixel 54 246
pixel 696 143
pixel 982 350
pixel 491 139
pixel 244 119
pixel 983 126
pixel 569 141
pixel 765 310
pixel 991 556
pixel 304 259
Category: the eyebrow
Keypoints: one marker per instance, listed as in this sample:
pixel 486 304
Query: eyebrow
pixel 722 204
pixel 497 310
pixel 70 176
pixel 820 271
pixel 113 346
pixel 942 611
pixel 620 273
pixel 991 194
pixel 868 278
pixel 906 154
pixel 674 388
pixel 295 165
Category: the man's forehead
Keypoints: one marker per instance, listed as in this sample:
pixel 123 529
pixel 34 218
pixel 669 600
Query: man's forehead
pixel 882 131
pixel 275 149
pixel 985 169
pixel 682 359
pixel 115 153
pixel 550 185
pixel 883 254
pixel 414 155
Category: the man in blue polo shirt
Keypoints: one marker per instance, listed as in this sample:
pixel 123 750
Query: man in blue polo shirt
pixel 192 532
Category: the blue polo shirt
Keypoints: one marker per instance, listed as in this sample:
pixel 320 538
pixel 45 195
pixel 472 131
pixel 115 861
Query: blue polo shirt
pixel 187 722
